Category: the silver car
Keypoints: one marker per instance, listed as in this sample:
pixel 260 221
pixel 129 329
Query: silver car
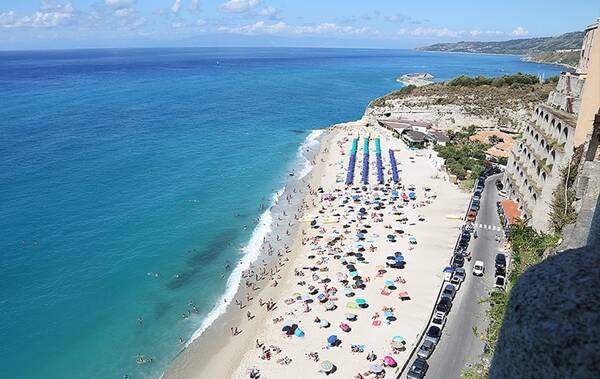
pixel 426 349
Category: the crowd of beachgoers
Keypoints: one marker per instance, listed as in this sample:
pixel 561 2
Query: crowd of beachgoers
pixel 348 287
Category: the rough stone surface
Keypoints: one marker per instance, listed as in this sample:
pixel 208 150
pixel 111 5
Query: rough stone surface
pixel 552 324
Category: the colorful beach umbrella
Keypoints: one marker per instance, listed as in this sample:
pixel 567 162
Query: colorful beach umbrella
pixel 360 301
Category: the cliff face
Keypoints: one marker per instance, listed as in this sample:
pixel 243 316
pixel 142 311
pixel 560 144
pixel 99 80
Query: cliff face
pixel 552 324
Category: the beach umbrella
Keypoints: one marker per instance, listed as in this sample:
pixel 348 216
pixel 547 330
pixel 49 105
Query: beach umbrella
pixel 350 316
pixel 332 339
pixel 345 327
pixel 329 305
pixel 298 333
pixel 351 267
pixel 326 366
pixel 376 369
pixel 399 339
pixel 389 361
pixel 412 240
pixel 360 301
pixel 389 283
pixel 324 323
pixel 286 329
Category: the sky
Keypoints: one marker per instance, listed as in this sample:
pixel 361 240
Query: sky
pixel 56 24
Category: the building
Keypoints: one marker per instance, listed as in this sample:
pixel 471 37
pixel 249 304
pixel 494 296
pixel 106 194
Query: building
pixel 500 149
pixel 414 133
pixel 536 162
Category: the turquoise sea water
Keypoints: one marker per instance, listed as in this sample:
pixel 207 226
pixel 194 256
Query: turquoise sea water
pixel 119 163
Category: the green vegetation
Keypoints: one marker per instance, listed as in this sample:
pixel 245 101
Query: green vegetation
pixel 569 58
pixel 464 158
pixel 521 46
pixel 553 79
pixel 528 247
pixel 562 211
pixel 517 80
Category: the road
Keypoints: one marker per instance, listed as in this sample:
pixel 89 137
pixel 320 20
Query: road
pixel 459 343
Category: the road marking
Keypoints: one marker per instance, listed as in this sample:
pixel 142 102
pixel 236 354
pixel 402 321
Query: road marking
pixel 488 227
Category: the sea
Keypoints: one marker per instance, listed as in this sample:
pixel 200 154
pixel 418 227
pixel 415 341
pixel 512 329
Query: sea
pixel 130 179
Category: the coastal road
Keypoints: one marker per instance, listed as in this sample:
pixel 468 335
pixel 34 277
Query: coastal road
pixel 459 344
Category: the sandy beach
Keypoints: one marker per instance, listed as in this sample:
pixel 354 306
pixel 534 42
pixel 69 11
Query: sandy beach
pixel 337 273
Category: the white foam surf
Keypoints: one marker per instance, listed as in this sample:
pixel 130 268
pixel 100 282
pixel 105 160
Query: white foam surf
pixel 252 250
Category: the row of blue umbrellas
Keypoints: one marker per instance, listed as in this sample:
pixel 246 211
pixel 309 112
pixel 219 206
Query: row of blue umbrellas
pixel 395 176
pixel 365 170
pixel 352 162
pixel 379 162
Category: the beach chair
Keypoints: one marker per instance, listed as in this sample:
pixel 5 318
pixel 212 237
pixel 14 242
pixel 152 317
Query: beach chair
pixel 386 292
pixel 376 323
pixel 403 295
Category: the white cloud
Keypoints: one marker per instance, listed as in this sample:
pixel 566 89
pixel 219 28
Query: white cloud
pixel 447 33
pixel 123 12
pixel 259 27
pixel 238 6
pixel 269 12
pixel 176 7
pixel 262 27
pixel 520 32
pixel 46 17
pixel 396 18
pixel 119 4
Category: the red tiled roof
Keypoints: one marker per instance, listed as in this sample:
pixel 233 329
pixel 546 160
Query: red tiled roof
pixel 511 212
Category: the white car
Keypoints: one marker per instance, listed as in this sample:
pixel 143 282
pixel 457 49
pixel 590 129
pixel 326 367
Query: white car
pixel 439 319
pixel 478 268
pixel 500 282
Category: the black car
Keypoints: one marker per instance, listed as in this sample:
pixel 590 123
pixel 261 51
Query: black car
pixel 481 182
pixel 418 369
pixel 466 235
pixel 444 305
pixel 463 243
pixel 499 185
pixel 500 261
pixel 477 195
pixel 458 260
pixel 475 205
pixel 500 271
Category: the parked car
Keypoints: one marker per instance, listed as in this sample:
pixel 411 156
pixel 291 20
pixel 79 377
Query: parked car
pixel 463 243
pixel 477 195
pixel 418 369
pixel 500 282
pixel 499 185
pixel 460 274
pixel 475 205
pixel 425 349
pixel 458 260
pixel 433 334
pixel 502 193
pixel 444 305
pixel 500 260
pixel 466 235
pixel 439 319
pixel 478 268
pixel 449 291
pixel 455 280
pixel 500 271
pixel 472 215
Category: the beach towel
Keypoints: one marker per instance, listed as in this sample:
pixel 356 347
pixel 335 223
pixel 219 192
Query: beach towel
pixel 385 292
pixel 376 322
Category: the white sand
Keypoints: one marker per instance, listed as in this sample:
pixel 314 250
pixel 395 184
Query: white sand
pixel 423 273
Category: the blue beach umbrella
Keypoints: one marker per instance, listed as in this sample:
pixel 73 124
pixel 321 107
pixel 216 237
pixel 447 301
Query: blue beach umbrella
pixel 332 339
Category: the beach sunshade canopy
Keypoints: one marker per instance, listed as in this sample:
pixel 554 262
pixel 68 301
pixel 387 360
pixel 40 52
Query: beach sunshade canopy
pixel 332 339
pixel 324 323
pixel 449 269
pixel 350 316
pixel 389 361
pixel 398 339
pixel 389 283
pixel 326 366
pixel 360 301
pixel 376 369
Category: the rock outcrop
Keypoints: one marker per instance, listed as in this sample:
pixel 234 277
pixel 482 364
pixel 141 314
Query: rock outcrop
pixel 552 324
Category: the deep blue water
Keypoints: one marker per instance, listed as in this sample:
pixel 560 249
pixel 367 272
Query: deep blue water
pixel 117 163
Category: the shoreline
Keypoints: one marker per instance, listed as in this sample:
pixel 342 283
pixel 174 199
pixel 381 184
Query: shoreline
pixel 215 337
